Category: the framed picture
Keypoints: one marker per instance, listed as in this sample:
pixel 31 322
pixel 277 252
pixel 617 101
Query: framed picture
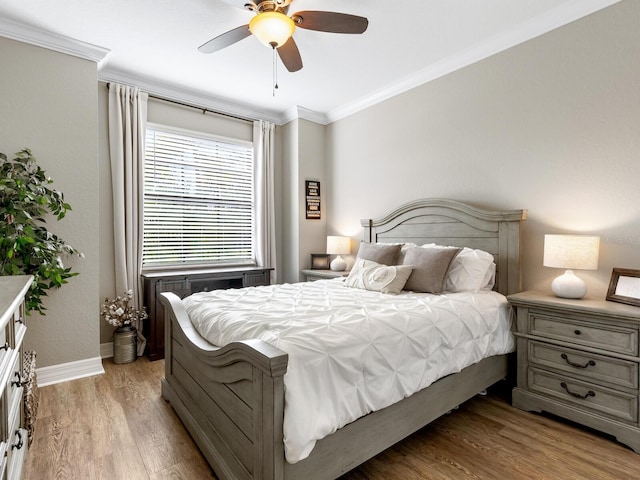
pixel 312 190
pixel 319 261
pixel 624 286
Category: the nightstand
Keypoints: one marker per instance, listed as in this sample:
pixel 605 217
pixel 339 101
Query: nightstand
pixel 312 275
pixel 578 359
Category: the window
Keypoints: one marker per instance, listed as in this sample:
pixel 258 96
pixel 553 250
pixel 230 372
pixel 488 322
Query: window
pixel 198 199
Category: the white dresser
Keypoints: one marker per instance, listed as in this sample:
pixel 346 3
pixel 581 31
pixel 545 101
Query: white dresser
pixel 13 436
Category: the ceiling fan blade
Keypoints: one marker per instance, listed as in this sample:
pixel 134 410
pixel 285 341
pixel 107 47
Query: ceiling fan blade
pixel 226 39
pixel 332 22
pixel 290 55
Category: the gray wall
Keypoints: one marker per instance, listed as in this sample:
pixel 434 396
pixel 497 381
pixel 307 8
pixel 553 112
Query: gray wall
pixel 303 158
pixel 550 125
pixel 49 103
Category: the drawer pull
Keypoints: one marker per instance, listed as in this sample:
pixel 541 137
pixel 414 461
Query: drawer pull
pixel 577 332
pixel 20 443
pixel 590 363
pixel 590 393
pixel 5 346
pixel 19 382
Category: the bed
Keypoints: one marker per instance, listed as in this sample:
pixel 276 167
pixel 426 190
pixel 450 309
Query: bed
pixel 232 398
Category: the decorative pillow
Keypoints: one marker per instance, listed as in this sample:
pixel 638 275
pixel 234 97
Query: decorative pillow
pixel 372 276
pixel 403 251
pixel 470 271
pixel 383 253
pixel 430 266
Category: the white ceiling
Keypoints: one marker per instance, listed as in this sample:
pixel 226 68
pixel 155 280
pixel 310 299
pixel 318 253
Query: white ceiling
pixel 153 44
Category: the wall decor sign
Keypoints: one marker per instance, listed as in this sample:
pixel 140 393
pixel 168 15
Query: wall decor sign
pixel 624 286
pixel 312 189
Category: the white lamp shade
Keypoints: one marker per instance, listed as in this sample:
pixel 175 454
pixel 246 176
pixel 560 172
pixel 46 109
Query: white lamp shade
pixel 578 252
pixel 338 245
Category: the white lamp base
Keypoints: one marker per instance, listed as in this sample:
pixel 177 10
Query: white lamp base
pixel 568 285
pixel 338 264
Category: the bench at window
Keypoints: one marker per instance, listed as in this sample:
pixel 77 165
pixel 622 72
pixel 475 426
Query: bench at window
pixel 184 283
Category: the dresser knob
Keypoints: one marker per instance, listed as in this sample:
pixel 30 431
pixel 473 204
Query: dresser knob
pixel 20 443
pixel 577 332
pixel 19 382
pixel 590 363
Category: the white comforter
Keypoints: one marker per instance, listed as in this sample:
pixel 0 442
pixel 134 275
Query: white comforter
pixel 353 351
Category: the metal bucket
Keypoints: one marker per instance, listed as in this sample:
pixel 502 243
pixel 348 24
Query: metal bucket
pixel 124 344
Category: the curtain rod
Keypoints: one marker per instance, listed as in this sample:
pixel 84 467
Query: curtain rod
pixel 204 110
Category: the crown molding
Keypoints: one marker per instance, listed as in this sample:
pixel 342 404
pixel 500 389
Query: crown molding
pixel 53 41
pixel 555 18
pixel 218 104
pixel 190 97
pixel 566 13
pixel 312 116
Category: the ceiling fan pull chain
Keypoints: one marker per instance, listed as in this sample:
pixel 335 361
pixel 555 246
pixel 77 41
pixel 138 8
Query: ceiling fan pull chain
pixel 275 71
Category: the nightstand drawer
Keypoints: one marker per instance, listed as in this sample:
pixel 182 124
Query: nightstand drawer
pixel 587 396
pixel 575 330
pixel 588 366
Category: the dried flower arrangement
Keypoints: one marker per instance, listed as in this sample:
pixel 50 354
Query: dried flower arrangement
pixel 119 313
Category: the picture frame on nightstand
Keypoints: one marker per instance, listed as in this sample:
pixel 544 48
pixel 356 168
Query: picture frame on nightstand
pixel 319 261
pixel 624 286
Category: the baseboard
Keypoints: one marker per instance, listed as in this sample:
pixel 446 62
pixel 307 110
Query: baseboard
pixel 69 371
pixel 106 350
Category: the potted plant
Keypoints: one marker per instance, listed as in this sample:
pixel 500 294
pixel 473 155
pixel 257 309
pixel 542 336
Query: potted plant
pixel 118 312
pixel 27 247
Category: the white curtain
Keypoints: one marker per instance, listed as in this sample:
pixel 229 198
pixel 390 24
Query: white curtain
pixel 263 138
pixel 127 125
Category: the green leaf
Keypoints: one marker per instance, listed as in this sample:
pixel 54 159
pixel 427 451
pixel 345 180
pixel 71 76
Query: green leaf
pixel 26 245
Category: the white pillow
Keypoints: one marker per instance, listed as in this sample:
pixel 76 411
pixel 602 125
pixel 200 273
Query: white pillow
pixel 373 276
pixel 470 271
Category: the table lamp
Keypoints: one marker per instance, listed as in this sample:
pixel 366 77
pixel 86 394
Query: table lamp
pixel 338 246
pixel 579 252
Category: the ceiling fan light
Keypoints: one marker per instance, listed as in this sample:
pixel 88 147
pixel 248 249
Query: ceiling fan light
pixel 272 28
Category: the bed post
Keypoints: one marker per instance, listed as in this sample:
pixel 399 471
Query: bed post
pixel 269 420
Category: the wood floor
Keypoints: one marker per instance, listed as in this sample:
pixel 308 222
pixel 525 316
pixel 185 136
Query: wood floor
pixel 116 426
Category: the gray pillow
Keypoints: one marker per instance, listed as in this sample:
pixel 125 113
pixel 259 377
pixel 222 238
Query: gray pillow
pixel 430 266
pixel 385 254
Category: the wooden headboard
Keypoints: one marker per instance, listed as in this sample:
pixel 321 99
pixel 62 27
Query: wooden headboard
pixel 449 222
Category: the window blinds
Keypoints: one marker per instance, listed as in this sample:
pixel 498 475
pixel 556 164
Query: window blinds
pixel 198 200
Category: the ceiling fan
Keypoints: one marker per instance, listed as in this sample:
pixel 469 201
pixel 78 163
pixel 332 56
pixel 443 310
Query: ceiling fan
pixel 274 27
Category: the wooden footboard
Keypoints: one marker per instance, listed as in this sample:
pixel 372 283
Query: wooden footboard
pixel 231 400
